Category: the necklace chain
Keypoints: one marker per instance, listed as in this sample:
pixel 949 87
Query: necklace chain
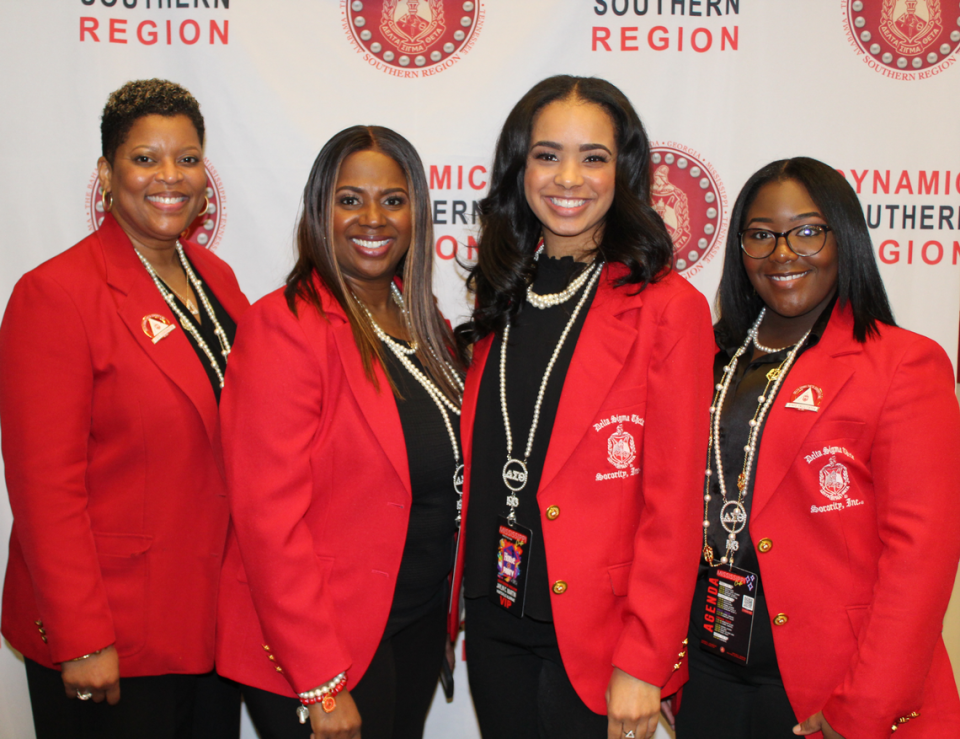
pixel 403 354
pixel 516 479
pixel 187 324
pixel 735 519
pixel 548 301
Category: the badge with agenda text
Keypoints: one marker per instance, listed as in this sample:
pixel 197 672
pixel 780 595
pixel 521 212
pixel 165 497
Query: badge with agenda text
pixel 510 581
pixel 726 617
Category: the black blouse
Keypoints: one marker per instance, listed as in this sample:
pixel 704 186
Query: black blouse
pixel 431 532
pixel 533 337
pixel 205 327
pixel 749 382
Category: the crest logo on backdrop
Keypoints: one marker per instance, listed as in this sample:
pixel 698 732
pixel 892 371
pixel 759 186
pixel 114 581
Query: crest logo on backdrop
pixel 413 38
pixel 690 198
pixel 206 229
pixel 905 39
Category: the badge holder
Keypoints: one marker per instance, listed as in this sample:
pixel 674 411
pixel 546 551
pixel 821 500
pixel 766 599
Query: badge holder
pixel 510 583
pixel 726 622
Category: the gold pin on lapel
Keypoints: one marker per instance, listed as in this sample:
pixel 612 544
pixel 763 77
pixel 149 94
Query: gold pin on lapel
pixel 156 327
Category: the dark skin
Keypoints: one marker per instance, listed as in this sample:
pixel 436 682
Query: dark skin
pixel 372 231
pixel 157 183
pixel 796 291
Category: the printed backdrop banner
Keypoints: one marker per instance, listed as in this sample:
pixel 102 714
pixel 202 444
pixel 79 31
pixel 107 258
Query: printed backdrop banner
pixel 723 87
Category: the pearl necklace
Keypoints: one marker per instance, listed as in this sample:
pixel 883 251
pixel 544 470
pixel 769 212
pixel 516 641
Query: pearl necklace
pixel 181 316
pixel 735 519
pixel 548 301
pixel 763 348
pixel 516 479
pixel 403 354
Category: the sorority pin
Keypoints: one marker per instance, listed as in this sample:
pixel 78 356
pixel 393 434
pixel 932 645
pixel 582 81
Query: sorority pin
pixel 806 398
pixel 156 327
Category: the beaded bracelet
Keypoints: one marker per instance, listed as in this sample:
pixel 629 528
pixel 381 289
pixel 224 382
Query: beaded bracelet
pixel 324 695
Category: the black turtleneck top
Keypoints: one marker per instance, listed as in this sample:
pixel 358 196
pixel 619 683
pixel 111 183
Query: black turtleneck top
pixel 533 338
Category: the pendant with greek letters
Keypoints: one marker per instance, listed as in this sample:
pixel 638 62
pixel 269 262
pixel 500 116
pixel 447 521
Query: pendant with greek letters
pixel 515 475
pixel 733 516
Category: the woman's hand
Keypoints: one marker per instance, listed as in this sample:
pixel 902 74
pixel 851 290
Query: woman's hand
pixel 98 674
pixel 633 707
pixel 343 722
pixel 816 723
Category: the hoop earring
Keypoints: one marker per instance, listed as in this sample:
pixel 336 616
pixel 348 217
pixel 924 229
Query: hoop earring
pixel 103 201
pixel 206 206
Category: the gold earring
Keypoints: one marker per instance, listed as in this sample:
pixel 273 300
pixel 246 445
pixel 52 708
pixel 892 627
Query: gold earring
pixel 103 200
pixel 206 205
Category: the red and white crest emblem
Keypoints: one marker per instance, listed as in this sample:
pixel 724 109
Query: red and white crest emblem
pixel 688 195
pixel 909 36
pixel 427 35
pixel 206 229
pixel 806 398
pixel 621 449
pixel 834 479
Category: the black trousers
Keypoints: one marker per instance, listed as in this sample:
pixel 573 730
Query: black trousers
pixel 393 696
pixel 519 685
pixel 154 707
pixel 717 708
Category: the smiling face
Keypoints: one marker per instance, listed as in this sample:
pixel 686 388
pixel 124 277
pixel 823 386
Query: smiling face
pixel 570 174
pixel 157 180
pixel 372 219
pixel 795 289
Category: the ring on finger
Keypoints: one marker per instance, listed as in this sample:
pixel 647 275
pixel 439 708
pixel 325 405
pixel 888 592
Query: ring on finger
pixel 630 734
pixel 84 695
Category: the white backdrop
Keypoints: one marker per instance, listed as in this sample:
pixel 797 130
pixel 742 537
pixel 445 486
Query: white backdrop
pixel 723 86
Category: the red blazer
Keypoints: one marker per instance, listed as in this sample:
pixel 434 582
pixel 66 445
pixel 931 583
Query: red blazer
pixel 110 444
pixel 320 497
pixel 626 537
pixel 856 520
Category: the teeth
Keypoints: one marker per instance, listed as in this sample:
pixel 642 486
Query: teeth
pixel 167 200
pixel 567 203
pixel 787 278
pixel 371 244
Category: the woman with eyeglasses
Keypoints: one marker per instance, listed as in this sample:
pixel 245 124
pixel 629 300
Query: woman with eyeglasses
pixel 831 507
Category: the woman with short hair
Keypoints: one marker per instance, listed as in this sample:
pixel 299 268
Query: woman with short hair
pixel 113 360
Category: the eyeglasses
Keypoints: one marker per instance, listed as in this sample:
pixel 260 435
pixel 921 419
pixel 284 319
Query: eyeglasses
pixel 804 241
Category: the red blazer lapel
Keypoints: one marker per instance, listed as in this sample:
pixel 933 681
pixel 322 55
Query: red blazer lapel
pixel 378 406
pixel 787 428
pixel 603 347
pixel 211 272
pixel 139 298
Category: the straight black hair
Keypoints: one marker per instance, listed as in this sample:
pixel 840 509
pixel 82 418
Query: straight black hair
pixel 316 255
pixel 858 278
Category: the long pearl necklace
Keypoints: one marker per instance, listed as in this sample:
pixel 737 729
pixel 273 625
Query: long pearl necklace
pixel 733 514
pixel 515 471
pixel 548 301
pixel 403 354
pixel 187 324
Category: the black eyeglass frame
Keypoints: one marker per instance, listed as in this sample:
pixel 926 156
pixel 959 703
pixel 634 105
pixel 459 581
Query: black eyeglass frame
pixel 786 237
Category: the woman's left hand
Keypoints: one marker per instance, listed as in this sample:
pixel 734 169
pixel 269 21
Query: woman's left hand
pixel 816 723
pixel 633 707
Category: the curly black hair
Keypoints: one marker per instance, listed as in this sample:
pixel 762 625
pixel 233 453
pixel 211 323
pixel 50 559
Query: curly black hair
pixel 144 97
pixel 633 233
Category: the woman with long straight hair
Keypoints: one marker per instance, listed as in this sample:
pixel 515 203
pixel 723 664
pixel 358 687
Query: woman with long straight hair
pixel 340 434
pixel 831 505
pixel 585 412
